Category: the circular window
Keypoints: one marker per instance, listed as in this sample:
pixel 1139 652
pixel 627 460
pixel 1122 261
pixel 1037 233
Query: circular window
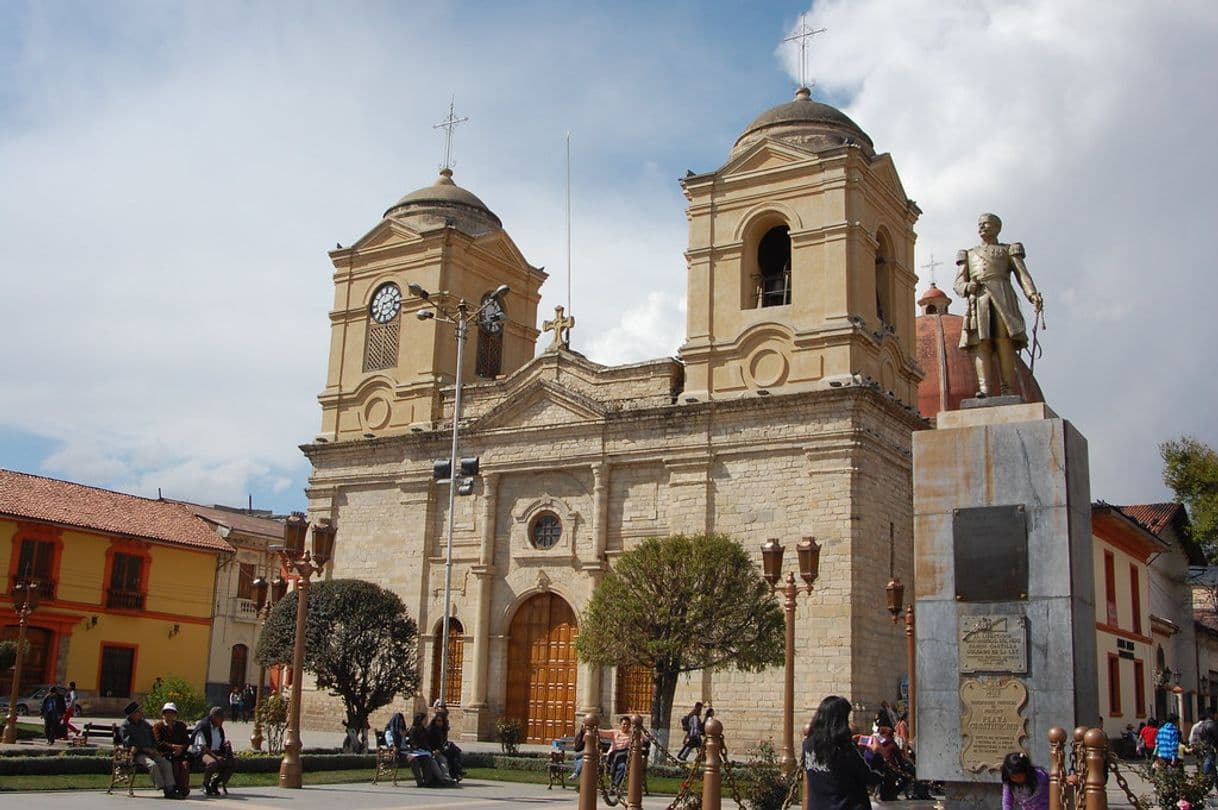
pixel 545 530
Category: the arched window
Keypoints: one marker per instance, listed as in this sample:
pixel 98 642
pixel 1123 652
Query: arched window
pixel 456 654
pixel 236 665
pixel 883 279
pixel 491 319
pixel 774 268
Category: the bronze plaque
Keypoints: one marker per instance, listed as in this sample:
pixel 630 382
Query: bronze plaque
pixel 991 722
pixel 991 553
pixel 994 643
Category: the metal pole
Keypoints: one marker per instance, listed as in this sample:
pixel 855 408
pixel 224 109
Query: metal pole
pixel 256 737
pixel 787 758
pixel 911 668
pixel 461 326
pixel 289 769
pixel 10 725
pixel 592 762
pixel 634 780
pixel 1057 766
pixel 1095 797
pixel 712 788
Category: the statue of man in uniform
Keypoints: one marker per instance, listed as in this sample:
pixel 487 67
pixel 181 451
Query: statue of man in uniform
pixel 994 328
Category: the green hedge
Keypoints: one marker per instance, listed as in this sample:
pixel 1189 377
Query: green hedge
pixel 70 764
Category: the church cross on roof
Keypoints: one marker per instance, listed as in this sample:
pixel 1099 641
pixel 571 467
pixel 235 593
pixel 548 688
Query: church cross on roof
pixel 449 124
pixel 931 265
pixel 802 35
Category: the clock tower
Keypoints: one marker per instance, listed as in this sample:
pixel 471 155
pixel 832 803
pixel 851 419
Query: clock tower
pixel 387 366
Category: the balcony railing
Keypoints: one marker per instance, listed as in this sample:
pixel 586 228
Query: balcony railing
pixel 46 587
pixel 124 600
pixel 245 609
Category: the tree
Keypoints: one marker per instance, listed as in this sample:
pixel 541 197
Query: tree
pixel 678 604
pixel 8 654
pixel 359 643
pixel 1190 469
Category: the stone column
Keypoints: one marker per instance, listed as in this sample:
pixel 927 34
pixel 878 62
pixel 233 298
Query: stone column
pixel 476 723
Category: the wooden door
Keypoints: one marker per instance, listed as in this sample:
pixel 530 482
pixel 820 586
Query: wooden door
pixel 542 668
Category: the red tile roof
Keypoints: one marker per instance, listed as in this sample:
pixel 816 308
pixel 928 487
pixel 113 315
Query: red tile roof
pixel 247 524
pixel 32 497
pixel 1154 516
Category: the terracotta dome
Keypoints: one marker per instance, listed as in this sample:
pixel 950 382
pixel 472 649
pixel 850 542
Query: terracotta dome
pixel 445 203
pixel 950 374
pixel 807 123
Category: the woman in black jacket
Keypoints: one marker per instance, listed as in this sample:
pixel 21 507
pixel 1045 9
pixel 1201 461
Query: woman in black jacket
pixel 838 776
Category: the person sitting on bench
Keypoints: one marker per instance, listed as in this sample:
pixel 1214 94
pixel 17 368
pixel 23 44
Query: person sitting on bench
pixel 209 744
pixel 136 733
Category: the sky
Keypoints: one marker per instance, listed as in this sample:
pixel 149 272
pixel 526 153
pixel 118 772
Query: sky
pixel 173 173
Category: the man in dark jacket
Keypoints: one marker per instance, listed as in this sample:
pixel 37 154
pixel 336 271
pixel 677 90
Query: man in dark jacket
pixel 53 708
pixel 214 750
pixel 136 733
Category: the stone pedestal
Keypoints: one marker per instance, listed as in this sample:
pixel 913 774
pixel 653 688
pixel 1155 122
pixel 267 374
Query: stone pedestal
pixel 1004 592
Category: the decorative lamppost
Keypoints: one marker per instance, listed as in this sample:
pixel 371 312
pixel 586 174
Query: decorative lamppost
pixel 809 566
pixel 265 602
pixel 297 559
pixel 25 599
pixel 490 314
pixel 896 601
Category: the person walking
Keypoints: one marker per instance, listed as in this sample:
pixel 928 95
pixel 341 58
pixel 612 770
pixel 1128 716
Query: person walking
pixel 54 706
pixel 1167 742
pixel 1148 733
pixel 692 724
pixel 234 704
pixel 1024 786
pixel 838 777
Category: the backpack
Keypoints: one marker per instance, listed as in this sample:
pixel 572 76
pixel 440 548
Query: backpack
pixel 685 723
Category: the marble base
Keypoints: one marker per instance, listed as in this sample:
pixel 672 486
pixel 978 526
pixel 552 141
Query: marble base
pixel 991 402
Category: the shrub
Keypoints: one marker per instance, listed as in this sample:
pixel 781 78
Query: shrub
pixel 272 712
pixel 191 703
pixel 1171 784
pixel 763 785
pixel 510 734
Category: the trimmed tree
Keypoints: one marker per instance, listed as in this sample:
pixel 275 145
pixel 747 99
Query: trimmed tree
pixel 678 604
pixel 1190 469
pixel 359 643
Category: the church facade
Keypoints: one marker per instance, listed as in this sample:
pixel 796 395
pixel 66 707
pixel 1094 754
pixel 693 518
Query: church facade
pixel 787 413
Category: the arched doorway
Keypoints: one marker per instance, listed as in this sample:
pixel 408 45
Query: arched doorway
pixel 542 668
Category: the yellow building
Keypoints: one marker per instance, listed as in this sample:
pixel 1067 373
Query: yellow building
pixel 126 584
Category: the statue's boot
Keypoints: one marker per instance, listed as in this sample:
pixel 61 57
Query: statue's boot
pixel 984 362
pixel 1006 364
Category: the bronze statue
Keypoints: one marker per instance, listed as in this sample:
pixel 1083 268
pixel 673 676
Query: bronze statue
pixel 994 327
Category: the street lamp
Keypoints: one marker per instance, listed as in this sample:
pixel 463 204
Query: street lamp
pixel 896 600
pixel 25 599
pixel 809 566
pixel 460 317
pixel 296 558
pixel 264 602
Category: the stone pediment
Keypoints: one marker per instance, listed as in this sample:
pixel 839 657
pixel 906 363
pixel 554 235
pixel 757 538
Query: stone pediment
pixel 541 404
pixel 886 174
pixel 765 155
pixel 385 233
pixel 500 246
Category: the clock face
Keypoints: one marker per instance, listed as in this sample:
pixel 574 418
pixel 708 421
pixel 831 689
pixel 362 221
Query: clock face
pixel 491 317
pixel 386 303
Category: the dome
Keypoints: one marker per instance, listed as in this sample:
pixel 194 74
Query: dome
pixel 951 376
pixel 807 123
pixel 445 203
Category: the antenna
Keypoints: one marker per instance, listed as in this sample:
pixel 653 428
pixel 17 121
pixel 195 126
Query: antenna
pixel 803 34
pixel 568 220
pixel 930 266
pixel 449 124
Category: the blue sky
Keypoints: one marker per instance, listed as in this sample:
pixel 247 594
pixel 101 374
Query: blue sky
pixel 173 173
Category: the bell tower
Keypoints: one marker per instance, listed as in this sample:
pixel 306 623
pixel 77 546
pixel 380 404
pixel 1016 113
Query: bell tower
pixel 800 262
pixel 387 366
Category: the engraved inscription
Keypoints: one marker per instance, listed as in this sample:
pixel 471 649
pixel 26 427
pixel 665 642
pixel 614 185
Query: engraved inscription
pixel 994 643
pixel 990 545
pixel 991 723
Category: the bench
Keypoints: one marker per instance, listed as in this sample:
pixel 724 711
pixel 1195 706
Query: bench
pixel 123 766
pixel 386 760
pixel 557 767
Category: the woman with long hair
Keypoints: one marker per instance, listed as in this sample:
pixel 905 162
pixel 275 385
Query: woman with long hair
pixel 838 776
pixel 1024 786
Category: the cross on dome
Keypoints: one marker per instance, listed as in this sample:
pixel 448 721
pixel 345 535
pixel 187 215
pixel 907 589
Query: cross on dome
pixel 448 125
pixel 802 35
pixel 561 327
pixel 931 265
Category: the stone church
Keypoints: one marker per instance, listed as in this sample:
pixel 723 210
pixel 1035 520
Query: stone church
pixel 788 412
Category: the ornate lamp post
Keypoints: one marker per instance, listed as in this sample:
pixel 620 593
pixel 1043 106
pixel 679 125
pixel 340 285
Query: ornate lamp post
pixel 896 600
pixel 809 566
pixel 490 315
pixel 25 599
pixel 276 591
pixel 297 559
